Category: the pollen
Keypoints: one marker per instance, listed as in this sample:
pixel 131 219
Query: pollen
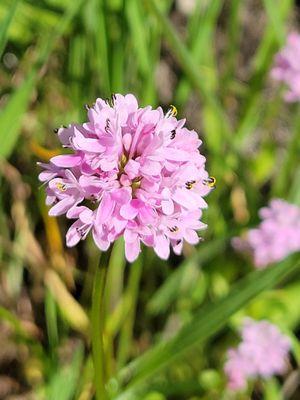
pixel 136 183
pixel 61 186
pixel 173 110
pixel 211 182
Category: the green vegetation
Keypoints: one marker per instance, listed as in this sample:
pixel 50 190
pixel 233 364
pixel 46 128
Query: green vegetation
pixel 168 323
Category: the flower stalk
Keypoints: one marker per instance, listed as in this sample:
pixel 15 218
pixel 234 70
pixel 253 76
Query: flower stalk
pixel 98 324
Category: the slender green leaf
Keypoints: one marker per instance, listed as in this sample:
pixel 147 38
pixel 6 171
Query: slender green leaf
pixel 202 26
pixel 205 323
pixel 252 108
pixel 64 382
pixel 175 283
pixel 193 72
pixel 11 117
pixel 4 25
pixel 274 15
pixel 138 33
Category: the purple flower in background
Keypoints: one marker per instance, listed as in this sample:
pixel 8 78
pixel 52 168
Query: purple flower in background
pixel 277 236
pixel 262 353
pixel 287 67
pixel 131 171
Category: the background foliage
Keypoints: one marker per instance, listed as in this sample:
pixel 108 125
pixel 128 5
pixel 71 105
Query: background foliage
pixel 168 323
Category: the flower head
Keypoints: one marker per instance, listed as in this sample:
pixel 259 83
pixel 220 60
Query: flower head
pixel 131 171
pixel 287 67
pixel 261 353
pixel 277 236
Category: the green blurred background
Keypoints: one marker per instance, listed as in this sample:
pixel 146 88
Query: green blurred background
pixel 211 59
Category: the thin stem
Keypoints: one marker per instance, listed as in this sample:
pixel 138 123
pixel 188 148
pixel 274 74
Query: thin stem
pixel 98 323
pixel 283 181
pixel 127 329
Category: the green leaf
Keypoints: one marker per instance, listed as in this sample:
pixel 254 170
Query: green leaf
pixel 179 281
pixel 275 18
pixel 11 117
pixel 193 72
pixel 138 32
pixel 63 384
pixel 4 25
pixel 205 323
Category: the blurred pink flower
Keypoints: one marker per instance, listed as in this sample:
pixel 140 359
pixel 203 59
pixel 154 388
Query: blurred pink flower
pixel 135 172
pixel 277 236
pixel 262 353
pixel 287 67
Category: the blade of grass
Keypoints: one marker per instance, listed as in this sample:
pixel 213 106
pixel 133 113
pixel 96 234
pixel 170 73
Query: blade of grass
pixel 274 15
pixel 51 321
pixel 193 73
pixel 205 323
pixel 11 117
pixel 286 172
pixel 261 64
pixel 69 307
pixel 233 44
pixel 136 22
pixel 97 27
pixel 202 26
pixel 5 24
pixel 64 382
pixel 172 286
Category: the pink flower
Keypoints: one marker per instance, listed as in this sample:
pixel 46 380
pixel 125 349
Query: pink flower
pixel 262 353
pixel 277 236
pixel 131 172
pixel 287 67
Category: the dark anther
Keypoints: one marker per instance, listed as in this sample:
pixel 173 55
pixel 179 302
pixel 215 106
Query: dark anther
pixel 211 182
pixel 87 107
pixel 189 184
pixel 55 130
pixel 107 126
pixel 173 134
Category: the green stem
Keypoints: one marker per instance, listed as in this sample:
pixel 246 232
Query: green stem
pixel 98 323
pixel 283 180
pixel 127 329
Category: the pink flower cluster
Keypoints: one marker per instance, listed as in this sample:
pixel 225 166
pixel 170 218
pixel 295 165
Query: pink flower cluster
pixel 277 236
pixel 131 171
pixel 287 67
pixel 261 353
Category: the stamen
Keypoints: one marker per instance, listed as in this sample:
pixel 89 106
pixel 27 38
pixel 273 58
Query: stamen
pixel 136 183
pixel 174 229
pixel 81 232
pixel 211 182
pixel 173 134
pixel 111 101
pixel 55 130
pixel 123 161
pixel 189 185
pixel 173 110
pixel 107 126
pixel 61 186
pixel 87 107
